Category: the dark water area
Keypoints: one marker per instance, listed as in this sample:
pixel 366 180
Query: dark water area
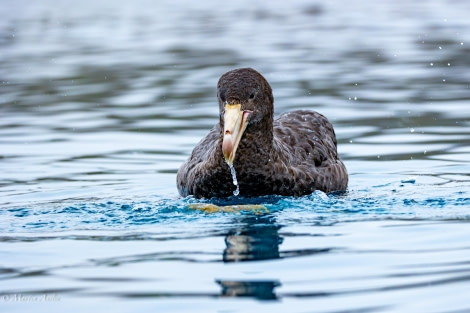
pixel 102 101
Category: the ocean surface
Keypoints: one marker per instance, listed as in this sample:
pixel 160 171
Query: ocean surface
pixel 102 101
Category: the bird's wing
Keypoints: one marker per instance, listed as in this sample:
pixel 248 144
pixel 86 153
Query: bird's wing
pixel 306 143
pixel 195 165
pixel 307 136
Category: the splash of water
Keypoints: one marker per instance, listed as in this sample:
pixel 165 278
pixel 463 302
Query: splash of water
pixel 236 192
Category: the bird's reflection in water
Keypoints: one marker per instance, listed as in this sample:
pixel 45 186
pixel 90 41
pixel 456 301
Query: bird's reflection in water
pixel 261 290
pixel 256 238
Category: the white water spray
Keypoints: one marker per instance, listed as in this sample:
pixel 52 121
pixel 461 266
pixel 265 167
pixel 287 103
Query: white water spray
pixel 235 181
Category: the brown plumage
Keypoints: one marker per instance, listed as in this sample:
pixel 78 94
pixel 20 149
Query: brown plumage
pixel 293 155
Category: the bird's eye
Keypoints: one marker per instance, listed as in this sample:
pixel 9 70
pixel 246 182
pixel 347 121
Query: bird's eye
pixel 252 96
pixel 222 96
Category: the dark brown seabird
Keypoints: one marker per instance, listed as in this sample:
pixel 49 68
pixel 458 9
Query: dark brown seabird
pixel 293 155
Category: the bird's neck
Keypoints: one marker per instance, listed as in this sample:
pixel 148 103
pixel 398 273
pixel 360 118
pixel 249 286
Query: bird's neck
pixel 255 146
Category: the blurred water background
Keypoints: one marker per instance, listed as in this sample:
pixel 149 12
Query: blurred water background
pixel 101 101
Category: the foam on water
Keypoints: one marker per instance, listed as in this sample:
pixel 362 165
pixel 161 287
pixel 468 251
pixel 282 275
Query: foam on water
pixel 317 208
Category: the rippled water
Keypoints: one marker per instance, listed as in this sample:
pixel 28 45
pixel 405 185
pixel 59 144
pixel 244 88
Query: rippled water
pixel 100 103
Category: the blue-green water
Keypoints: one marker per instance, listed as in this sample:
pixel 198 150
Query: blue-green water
pixel 100 103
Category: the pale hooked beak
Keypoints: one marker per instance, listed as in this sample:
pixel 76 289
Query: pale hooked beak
pixel 234 126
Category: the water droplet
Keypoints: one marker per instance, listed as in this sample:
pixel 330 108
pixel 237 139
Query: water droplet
pixel 355 98
pixel 236 192
pixel 440 48
pixel 448 64
pixel 461 43
pixel 444 80
pixel 432 64
pixel 412 130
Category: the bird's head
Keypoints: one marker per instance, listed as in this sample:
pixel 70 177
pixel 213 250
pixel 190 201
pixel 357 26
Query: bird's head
pixel 245 103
